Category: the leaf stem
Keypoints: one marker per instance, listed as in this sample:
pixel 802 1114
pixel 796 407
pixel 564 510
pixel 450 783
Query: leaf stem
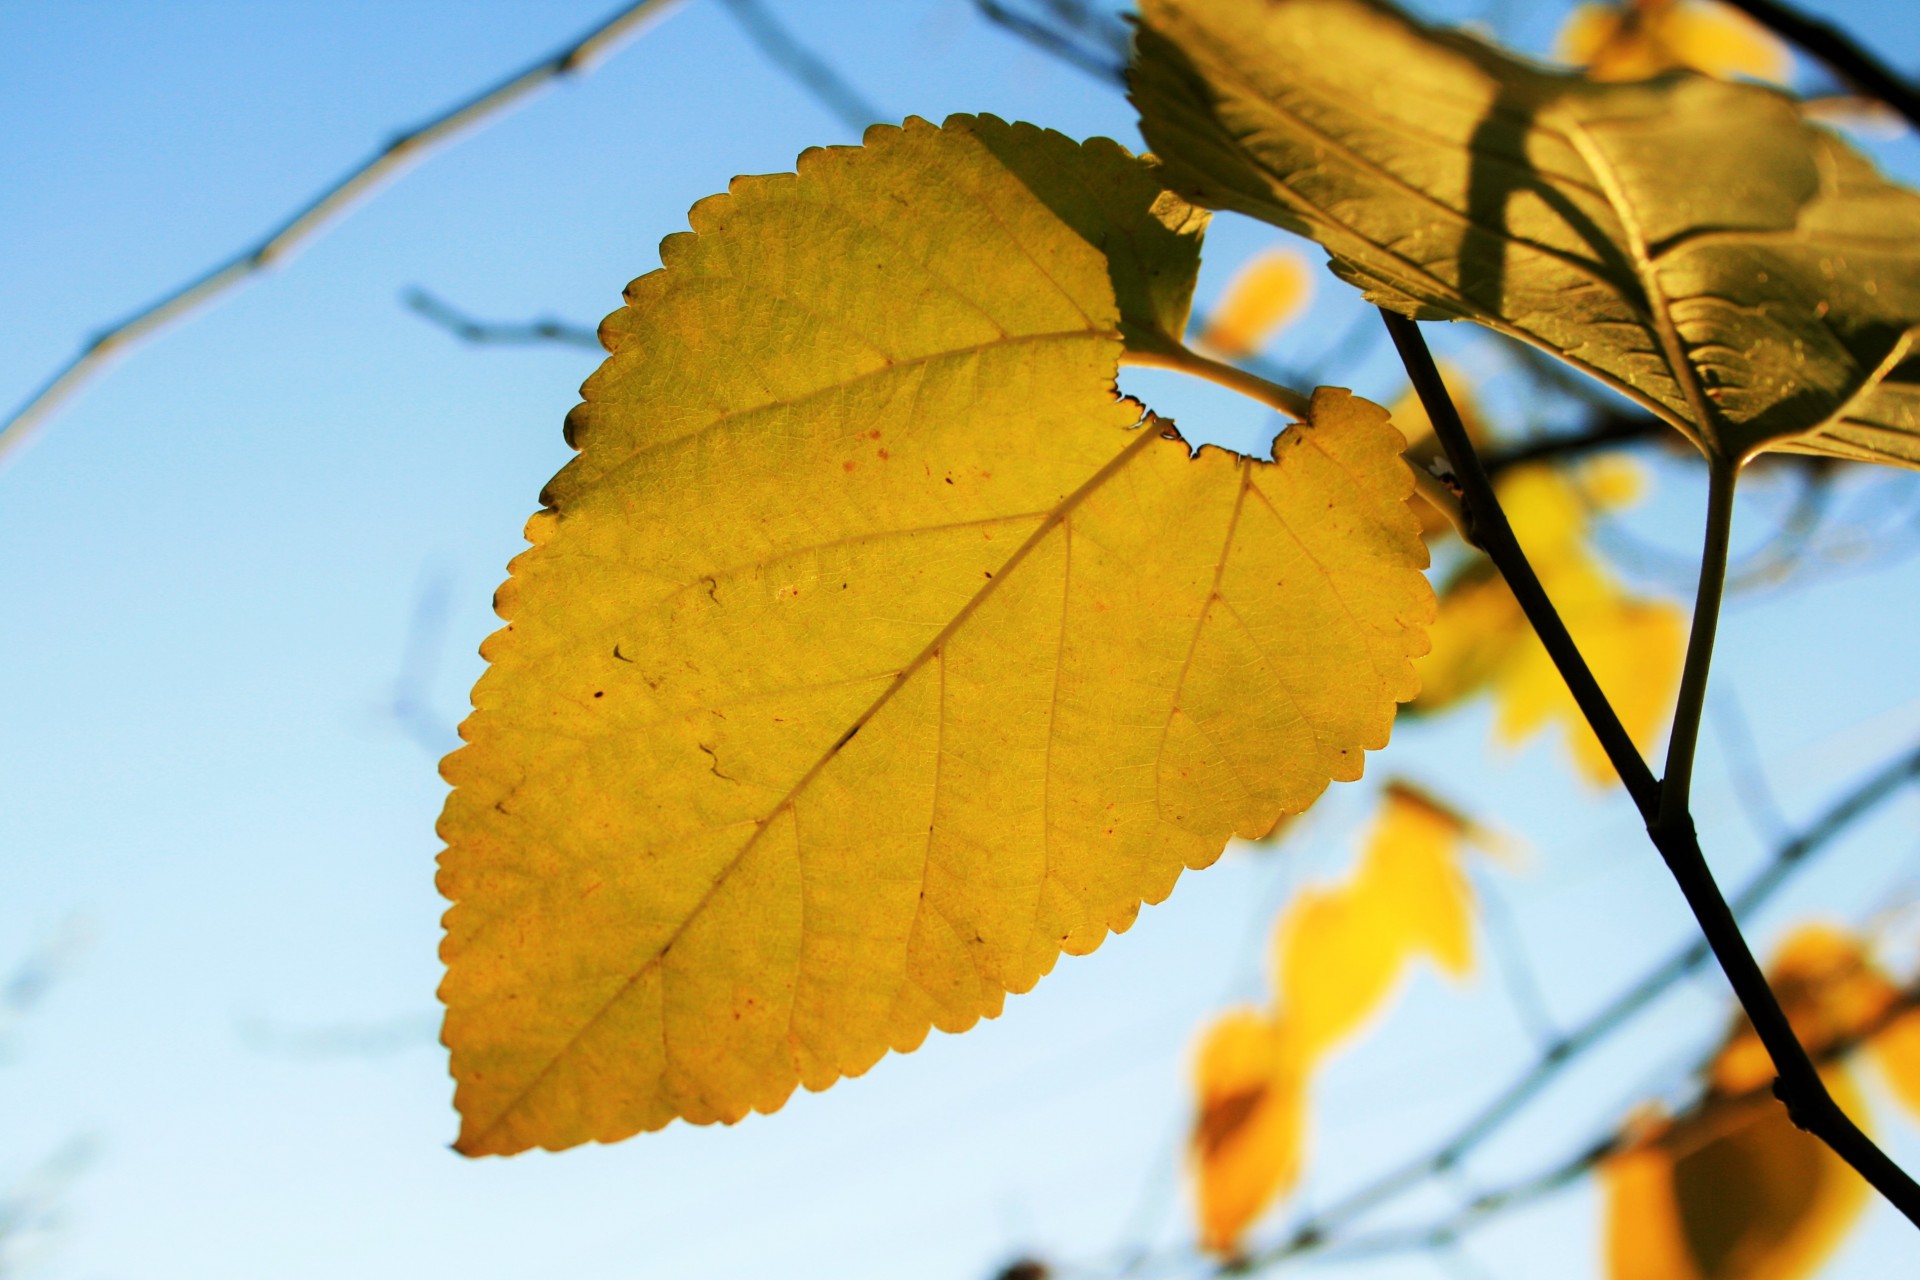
pixel 1174 356
pixel 1798 1084
pixel 1676 785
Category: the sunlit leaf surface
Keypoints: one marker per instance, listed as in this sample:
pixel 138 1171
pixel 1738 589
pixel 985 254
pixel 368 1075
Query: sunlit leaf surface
pixel 1692 242
pixel 871 654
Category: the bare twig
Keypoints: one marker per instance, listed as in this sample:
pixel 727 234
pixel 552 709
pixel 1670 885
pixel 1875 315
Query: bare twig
pixel 1109 67
pixel 515 333
pixel 1662 805
pixel 1448 1230
pixel 405 149
pixel 805 67
pixel 1838 52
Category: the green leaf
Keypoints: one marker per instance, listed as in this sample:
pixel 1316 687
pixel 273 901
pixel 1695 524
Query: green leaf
pixel 1693 243
pixel 872 652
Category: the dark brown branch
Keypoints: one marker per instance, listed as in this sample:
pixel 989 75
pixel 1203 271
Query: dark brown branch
pixel 1611 431
pixel 1838 52
pixel 326 208
pixel 1491 532
pixel 1670 827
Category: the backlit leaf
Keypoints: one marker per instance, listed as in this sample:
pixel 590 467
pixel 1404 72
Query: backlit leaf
pixel 1269 290
pixel 1338 952
pixel 1692 242
pixel 1246 1144
pixel 1642 38
pixel 1482 641
pixel 1732 1190
pixel 871 654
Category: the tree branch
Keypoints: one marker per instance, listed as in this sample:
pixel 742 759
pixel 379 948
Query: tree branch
pixel 546 330
pixel 1838 52
pixel 805 67
pixel 1669 826
pixel 323 210
pixel 1319 1230
pixel 1055 43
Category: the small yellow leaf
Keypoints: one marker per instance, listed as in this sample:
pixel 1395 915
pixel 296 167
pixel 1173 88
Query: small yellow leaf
pixel 1732 1190
pixel 1640 39
pixel 1339 952
pixel 872 653
pixel 1246 1143
pixel 1266 293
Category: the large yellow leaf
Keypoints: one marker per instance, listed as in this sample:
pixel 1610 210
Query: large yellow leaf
pixel 870 654
pixel 1338 954
pixel 1692 242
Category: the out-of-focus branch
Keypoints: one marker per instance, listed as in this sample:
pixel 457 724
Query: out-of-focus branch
pixel 515 333
pixel 1108 65
pixel 1320 1230
pixel 805 67
pixel 1838 52
pixel 1448 1230
pixel 326 208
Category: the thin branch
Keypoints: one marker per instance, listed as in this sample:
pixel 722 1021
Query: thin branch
pixel 330 205
pixel 1838 52
pixel 497 333
pixel 1669 824
pixel 1055 43
pixel 1612 431
pixel 805 67
pixel 1495 536
pixel 1623 1008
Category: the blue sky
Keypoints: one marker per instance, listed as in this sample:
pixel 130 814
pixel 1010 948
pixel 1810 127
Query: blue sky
pixel 214 563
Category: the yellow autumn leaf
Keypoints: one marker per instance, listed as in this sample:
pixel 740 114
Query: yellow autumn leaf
pixel 1732 1190
pixel 1248 1125
pixel 1269 290
pixel 871 654
pixel 1338 954
pixel 1639 39
pixel 1482 641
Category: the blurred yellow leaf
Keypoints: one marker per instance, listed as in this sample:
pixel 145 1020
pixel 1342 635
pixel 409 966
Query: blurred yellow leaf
pixel 1639 39
pixel 1482 641
pixel 1246 1143
pixel 1732 1191
pixel 1267 292
pixel 1338 954
pixel 871 654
